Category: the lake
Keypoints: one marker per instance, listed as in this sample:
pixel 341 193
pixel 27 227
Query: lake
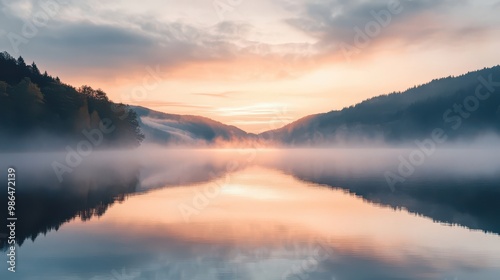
pixel 258 214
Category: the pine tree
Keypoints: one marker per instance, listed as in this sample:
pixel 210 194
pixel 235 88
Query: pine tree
pixel 34 68
pixel 20 62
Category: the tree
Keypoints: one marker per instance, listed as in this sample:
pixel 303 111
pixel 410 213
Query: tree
pixel 101 95
pixel 28 102
pixel 34 68
pixel 87 91
pixel 20 62
pixel 6 56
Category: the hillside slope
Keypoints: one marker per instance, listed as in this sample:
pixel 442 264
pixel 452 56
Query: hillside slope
pixel 162 128
pixel 464 107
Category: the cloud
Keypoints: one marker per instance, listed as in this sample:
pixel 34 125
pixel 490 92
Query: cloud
pixel 105 46
pixel 101 41
pixel 337 22
pixel 91 41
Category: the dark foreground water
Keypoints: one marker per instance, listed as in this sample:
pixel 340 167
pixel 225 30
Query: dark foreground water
pixel 315 214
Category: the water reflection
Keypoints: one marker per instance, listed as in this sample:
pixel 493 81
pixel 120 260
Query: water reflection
pixel 454 187
pixel 277 216
pixel 43 203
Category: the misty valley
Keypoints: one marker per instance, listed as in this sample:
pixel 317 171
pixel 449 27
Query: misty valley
pixel 404 185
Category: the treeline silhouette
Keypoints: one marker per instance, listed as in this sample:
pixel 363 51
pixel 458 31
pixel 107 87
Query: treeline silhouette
pixel 48 113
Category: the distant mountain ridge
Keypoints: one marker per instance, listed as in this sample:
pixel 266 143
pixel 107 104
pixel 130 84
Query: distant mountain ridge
pixel 406 116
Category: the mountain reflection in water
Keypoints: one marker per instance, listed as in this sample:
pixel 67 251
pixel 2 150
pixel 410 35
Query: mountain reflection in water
pixel 270 215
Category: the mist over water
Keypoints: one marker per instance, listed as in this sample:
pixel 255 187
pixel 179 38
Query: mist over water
pixel 159 166
pixel 236 212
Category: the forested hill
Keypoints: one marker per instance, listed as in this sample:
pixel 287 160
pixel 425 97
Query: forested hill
pixel 38 111
pixel 462 107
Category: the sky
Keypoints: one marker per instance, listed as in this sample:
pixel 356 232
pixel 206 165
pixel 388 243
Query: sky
pixel 254 64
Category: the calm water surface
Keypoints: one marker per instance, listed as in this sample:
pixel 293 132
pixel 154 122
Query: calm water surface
pixel 257 221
